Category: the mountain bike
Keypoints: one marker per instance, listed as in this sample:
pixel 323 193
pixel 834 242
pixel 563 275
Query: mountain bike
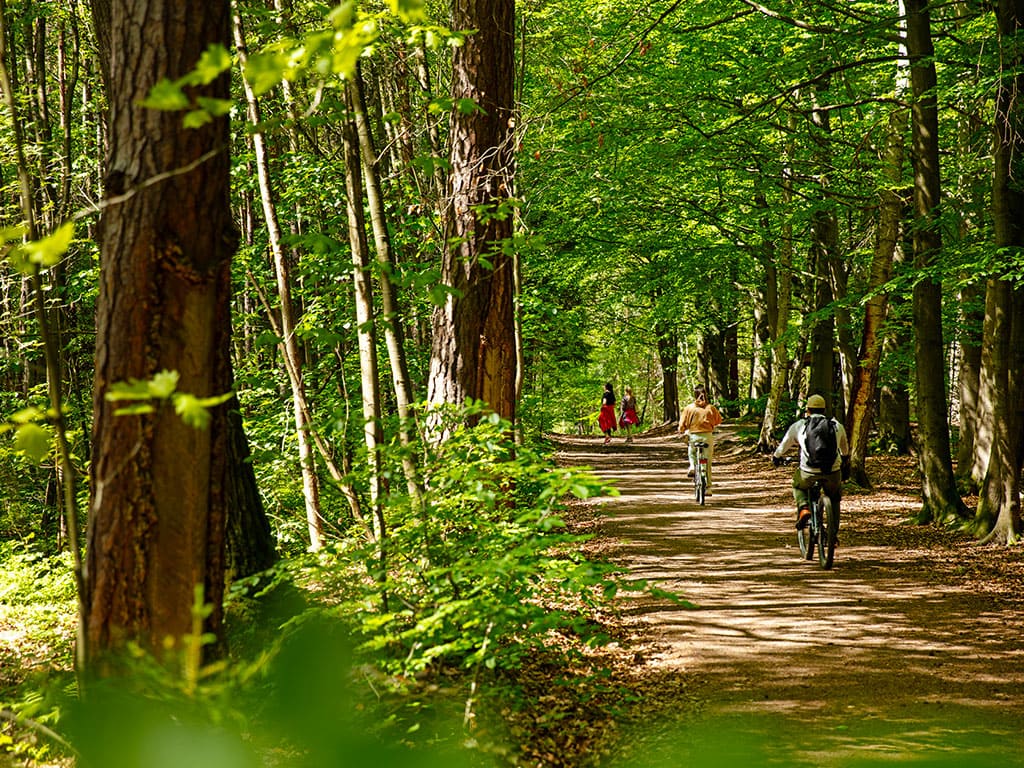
pixel 700 473
pixel 822 530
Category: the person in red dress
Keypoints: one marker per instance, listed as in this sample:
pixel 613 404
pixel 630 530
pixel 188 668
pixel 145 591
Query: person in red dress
pixel 607 418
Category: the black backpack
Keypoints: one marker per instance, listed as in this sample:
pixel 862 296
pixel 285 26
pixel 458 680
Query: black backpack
pixel 820 443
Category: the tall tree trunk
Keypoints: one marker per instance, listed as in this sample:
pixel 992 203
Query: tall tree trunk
pixel 392 314
pixel 941 501
pixel 366 329
pixel 290 343
pixel 1002 383
pixel 668 357
pixel 760 366
pixel 473 351
pixel 51 344
pixel 861 408
pixel 970 461
pixel 779 282
pixel 249 539
pixel 156 533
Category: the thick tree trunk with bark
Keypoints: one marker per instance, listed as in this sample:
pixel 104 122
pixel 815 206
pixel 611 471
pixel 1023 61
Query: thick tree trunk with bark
pixel 1002 383
pixel 159 503
pixel 249 539
pixel 473 353
pixel 941 501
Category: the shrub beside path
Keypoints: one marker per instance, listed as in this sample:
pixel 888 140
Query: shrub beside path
pixel 911 650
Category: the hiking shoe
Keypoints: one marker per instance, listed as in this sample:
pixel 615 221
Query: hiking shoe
pixel 803 518
pixel 689 473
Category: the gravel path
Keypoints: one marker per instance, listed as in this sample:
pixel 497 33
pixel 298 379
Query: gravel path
pixel 911 650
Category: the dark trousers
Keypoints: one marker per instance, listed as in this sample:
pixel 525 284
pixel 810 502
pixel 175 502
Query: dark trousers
pixel 831 484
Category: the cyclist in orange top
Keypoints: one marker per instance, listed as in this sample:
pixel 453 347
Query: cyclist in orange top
pixel 699 419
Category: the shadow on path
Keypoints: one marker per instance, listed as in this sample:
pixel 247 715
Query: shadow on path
pixel 877 661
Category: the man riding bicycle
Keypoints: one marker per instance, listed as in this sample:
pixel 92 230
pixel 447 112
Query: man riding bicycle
pixel 824 456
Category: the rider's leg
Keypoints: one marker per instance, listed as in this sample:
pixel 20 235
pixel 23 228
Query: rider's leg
pixel 691 452
pixel 801 484
pixel 709 450
pixel 832 485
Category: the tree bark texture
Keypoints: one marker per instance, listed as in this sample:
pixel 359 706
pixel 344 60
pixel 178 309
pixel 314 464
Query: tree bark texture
pixel 668 357
pixel 941 500
pixel 861 408
pixel 971 321
pixel 1002 383
pixel 158 506
pixel 473 351
pixel 779 290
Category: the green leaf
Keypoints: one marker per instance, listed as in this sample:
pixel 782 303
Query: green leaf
pixel 216 107
pixel 48 251
pixel 163 384
pixel 134 410
pixel 211 64
pixel 468 106
pixel 196 118
pixel 133 389
pixel 439 294
pixel 411 11
pixel 34 441
pixel 265 70
pixel 191 411
pixel 27 415
pixel 166 95
pixel 11 233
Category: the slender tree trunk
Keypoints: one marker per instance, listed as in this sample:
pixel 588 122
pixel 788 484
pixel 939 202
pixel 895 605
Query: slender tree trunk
pixel 392 314
pixel 668 356
pixel 860 412
pixel 941 501
pixel 290 344
pixel 365 323
pixel 970 459
pixel 760 367
pixel 51 345
pixel 779 281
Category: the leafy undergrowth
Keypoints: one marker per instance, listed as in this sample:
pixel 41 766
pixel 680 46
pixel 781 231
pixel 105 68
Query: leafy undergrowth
pixel 577 705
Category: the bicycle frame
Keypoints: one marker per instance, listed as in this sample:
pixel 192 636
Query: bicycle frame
pixel 700 471
pixel 822 529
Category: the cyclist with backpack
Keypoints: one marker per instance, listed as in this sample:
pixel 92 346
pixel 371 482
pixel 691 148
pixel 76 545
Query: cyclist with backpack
pixel 824 455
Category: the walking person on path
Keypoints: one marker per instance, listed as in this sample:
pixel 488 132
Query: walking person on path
pixel 629 419
pixel 699 420
pixel 606 420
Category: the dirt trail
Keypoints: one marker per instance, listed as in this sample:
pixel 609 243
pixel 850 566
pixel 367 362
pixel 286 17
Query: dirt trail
pixel 910 650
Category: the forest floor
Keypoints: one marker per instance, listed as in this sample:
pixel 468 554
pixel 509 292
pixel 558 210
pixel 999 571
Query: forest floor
pixel 910 650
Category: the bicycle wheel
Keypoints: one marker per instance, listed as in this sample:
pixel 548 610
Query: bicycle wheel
pixel 701 486
pixel 828 532
pixel 805 538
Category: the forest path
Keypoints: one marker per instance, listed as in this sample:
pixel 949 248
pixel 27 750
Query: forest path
pixel 910 650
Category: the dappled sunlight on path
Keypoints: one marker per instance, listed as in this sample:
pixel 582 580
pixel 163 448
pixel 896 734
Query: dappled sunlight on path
pixel 884 657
